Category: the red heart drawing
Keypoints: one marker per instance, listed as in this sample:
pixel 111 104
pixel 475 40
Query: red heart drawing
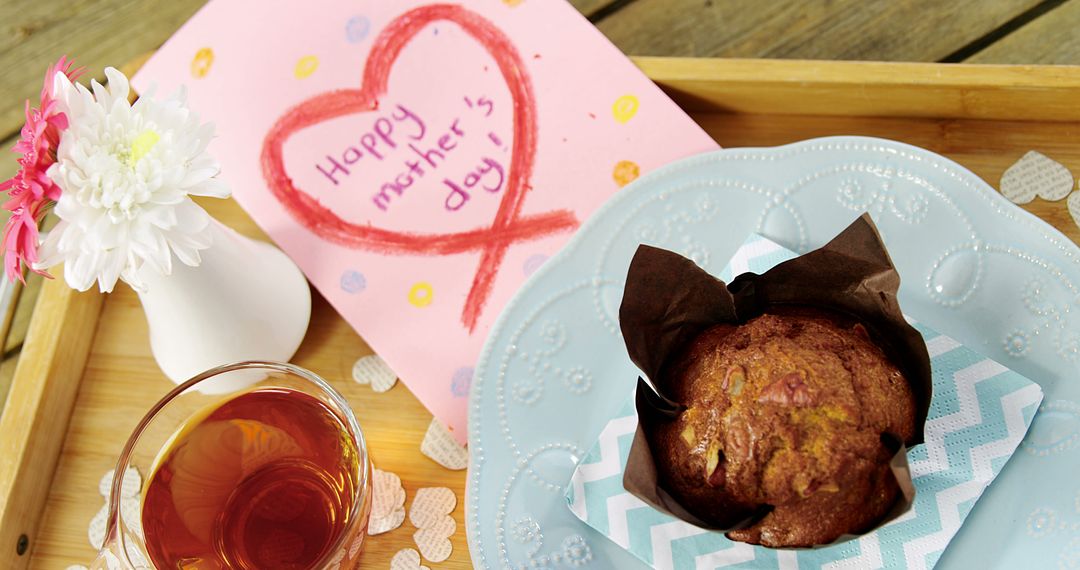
pixel 507 227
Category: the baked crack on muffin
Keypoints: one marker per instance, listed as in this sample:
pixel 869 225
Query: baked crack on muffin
pixel 795 414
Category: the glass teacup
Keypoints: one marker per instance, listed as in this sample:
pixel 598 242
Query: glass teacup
pixel 245 466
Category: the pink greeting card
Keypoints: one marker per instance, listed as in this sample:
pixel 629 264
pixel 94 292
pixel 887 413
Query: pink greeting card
pixel 418 161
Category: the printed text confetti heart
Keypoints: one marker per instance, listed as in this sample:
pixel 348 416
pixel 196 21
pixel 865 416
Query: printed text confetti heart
pixel 407 559
pixel 1074 206
pixel 430 514
pixel 1033 175
pixel 387 502
pixel 373 370
pixel 442 448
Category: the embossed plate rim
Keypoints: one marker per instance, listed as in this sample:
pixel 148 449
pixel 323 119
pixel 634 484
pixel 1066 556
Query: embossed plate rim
pixel 1000 207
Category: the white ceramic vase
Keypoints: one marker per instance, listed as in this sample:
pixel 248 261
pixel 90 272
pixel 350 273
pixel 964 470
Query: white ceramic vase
pixel 246 301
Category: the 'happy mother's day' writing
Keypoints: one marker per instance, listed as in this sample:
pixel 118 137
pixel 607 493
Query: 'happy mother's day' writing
pixel 425 149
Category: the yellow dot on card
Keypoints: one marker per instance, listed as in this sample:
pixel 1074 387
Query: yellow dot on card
pixel 625 108
pixel 200 64
pixel 626 171
pixel 421 294
pixel 306 66
pixel 512 3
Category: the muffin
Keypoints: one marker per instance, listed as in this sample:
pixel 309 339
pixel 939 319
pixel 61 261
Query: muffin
pixel 789 423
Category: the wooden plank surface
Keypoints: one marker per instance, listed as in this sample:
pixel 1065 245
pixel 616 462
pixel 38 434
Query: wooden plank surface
pixel 1051 39
pixel 894 30
pixel 98 33
pixel 38 406
pixel 831 88
pixel 25 301
pixel 592 8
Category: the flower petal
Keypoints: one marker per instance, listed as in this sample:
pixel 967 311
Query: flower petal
pixel 125 203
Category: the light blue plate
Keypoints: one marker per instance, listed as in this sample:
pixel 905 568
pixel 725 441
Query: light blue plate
pixel 974 267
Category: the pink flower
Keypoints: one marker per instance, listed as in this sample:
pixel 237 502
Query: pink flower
pixel 31 192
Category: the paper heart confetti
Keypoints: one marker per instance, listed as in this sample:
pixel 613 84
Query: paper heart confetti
pixel 1033 175
pixel 434 541
pixel 430 505
pixel 388 495
pixel 407 559
pixel 442 448
pixel 430 514
pixel 373 370
pixel 130 507
pixel 129 487
pixel 387 523
pixel 112 562
pixel 1074 210
pixel 387 502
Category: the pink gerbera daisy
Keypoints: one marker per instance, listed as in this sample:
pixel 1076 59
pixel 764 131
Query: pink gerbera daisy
pixel 31 192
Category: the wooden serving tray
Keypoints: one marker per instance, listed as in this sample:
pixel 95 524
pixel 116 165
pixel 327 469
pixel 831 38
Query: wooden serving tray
pixel 86 375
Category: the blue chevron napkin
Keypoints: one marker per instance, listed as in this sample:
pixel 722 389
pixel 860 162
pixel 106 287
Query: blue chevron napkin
pixel 980 412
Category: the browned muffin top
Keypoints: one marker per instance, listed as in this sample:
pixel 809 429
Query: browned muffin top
pixel 786 411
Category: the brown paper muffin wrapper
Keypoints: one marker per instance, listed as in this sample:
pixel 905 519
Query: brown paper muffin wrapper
pixel 668 301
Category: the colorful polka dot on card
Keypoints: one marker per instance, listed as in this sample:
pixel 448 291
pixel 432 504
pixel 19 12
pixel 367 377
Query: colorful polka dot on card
pixel 357 28
pixel 306 66
pixel 461 381
pixel 533 263
pixel 200 64
pixel 353 281
pixel 421 294
pixel 625 108
pixel 626 171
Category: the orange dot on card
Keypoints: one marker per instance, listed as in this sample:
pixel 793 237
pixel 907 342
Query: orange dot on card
pixel 200 64
pixel 626 171
pixel 512 3
pixel 306 66
pixel 421 294
pixel 625 108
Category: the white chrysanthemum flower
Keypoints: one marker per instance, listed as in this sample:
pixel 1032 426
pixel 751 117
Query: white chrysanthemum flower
pixel 127 173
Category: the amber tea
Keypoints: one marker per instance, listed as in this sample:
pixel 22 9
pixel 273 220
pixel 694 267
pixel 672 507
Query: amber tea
pixel 264 481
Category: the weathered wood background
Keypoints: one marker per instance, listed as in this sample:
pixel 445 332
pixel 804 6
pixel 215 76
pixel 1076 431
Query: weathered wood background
pixel 34 33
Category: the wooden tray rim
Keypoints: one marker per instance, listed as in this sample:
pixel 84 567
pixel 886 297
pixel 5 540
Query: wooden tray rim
pixel 33 423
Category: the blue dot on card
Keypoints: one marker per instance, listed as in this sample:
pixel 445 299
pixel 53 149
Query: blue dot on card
pixel 461 382
pixel 357 28
pixel 353 281
pixel 533 263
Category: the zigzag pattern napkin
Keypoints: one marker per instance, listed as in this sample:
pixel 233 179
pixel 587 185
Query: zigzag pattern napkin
pixel 980 412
